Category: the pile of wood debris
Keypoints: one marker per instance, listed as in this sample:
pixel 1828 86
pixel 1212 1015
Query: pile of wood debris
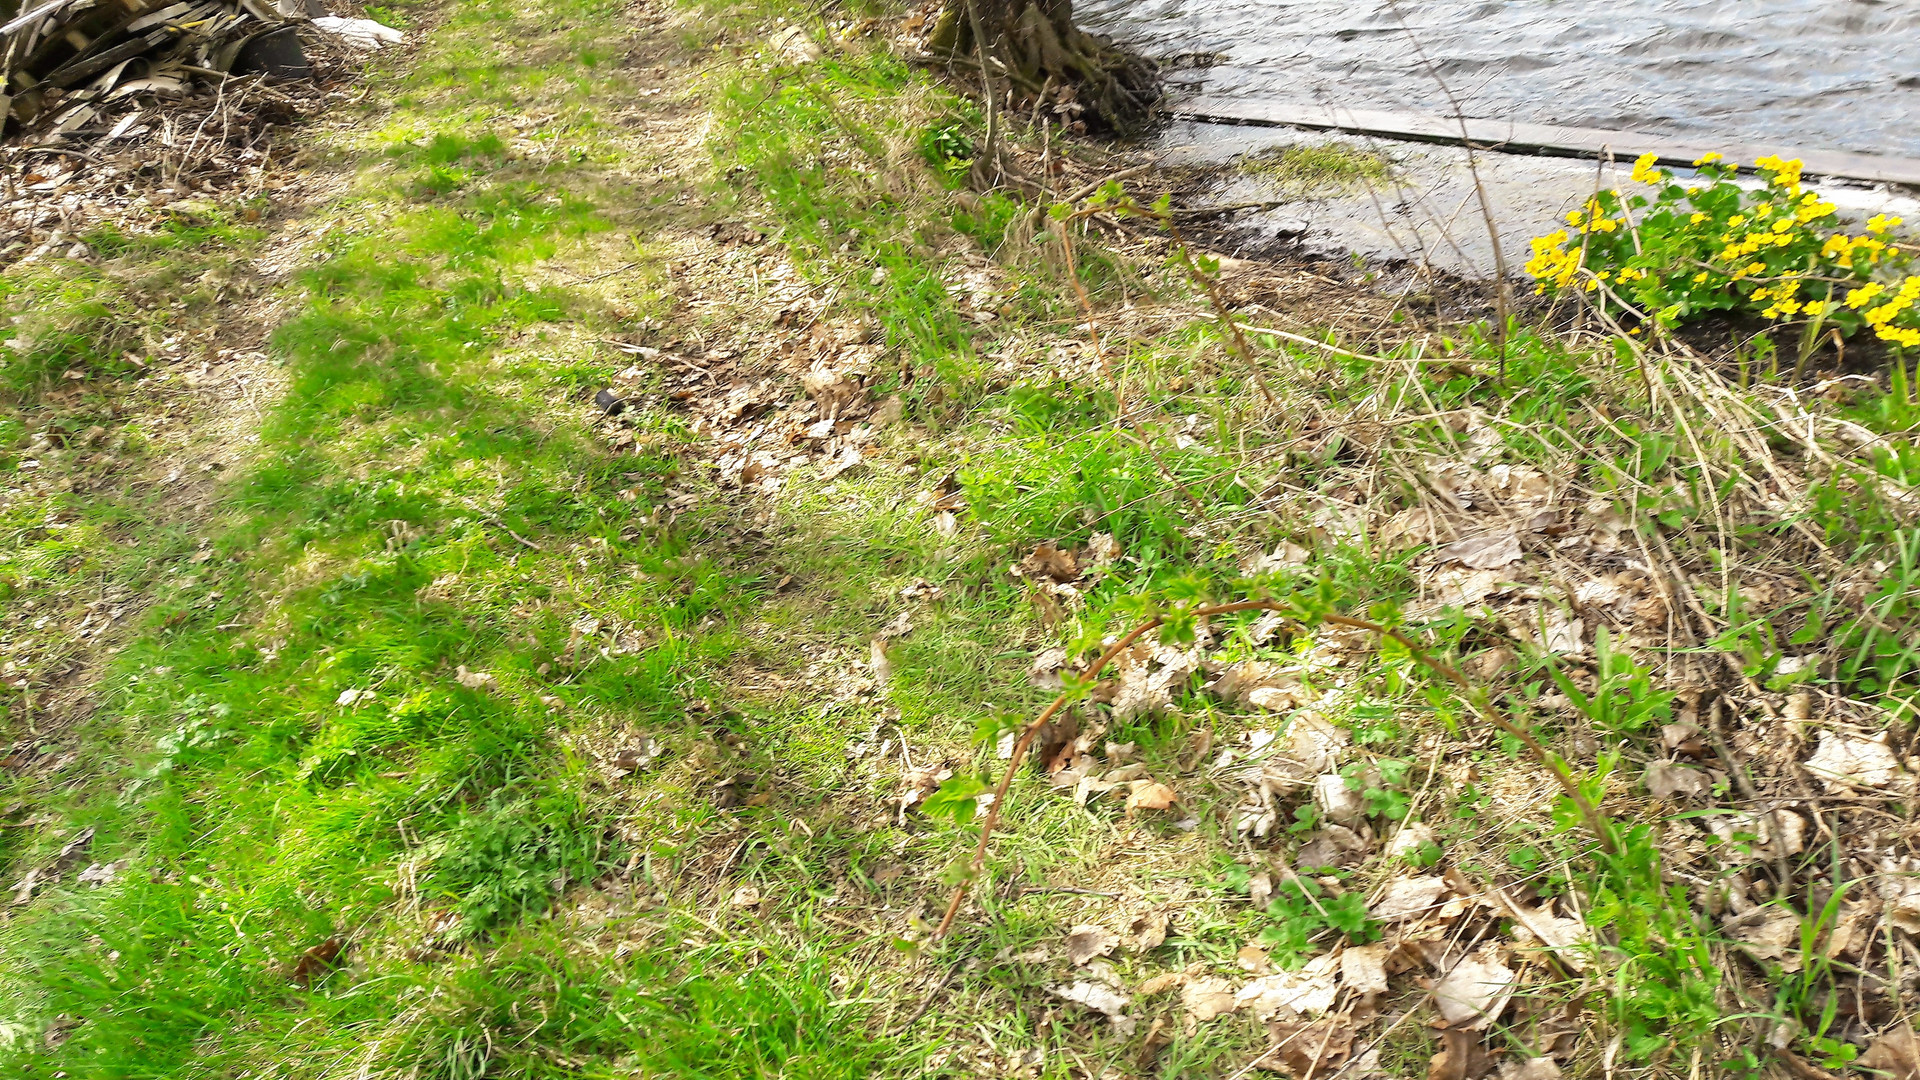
pixel 68 62
pixel 117 105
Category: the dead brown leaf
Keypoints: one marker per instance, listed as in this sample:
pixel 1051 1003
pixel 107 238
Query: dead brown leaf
pixel 316 961
pixel 1475 991
pixel 1408 898
pixel 1301 1048
pixel 1895 1055
pixel 1488 552
pixel 1205 998
pixel 1048 561
pixel 1086 941
pixel 1150 795
pixel 1148 930
pixel 1684 739
pixel 1461 1057
pixel 1159 1037
pixel 1537 1068
pixel 1307 992
pixel 1844 762
pixel 1363 968
pixel 1096 996
pixel 1768 933
pixel 1253 960
pixel 1677 783
pixel 1161 983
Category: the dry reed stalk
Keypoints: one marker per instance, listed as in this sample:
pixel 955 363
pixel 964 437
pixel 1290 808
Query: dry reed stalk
pixel 1504 287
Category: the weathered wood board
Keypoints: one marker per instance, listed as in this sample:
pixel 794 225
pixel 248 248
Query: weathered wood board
pixel 1538 139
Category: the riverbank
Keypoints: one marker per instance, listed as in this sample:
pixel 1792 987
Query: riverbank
pixel 550 597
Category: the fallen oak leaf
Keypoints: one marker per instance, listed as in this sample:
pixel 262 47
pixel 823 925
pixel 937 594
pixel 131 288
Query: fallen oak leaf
pixel 1087 941
pixel 1307 1048
pixel 1488 552
pixel 1408 898
pixel 1148 931
pixel 74 848
pixel 1099 997
pixel 474 680
pixel 1150 795
pixel 1461 1057
pixel 1363 968
pixel 1162 983
pixel 1475 991
pixel 1564 936
pixel 1207 997
pixel 1050 562
pixel 1159 1037
pixel 1307 992
pixel 1842 762
pixel 1894 1054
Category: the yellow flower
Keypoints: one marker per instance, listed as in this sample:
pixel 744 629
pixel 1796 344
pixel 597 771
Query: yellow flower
pixel 1762 293
pixel 1754 268
pixel 1880 223
pixel 1700 277
pixel 1864 295
pixel 1707 159
pixel 1899 335
pixel 1644 172
pixel 1697 218
pixel 1736 221
pixel 1783 225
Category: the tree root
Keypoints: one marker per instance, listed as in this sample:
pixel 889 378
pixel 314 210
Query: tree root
pixel 1036 48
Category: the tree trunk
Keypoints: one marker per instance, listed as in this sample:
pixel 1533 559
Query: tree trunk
pixel 1034 45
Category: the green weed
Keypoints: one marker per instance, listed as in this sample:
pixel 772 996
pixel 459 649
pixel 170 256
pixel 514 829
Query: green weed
pixel 1319 170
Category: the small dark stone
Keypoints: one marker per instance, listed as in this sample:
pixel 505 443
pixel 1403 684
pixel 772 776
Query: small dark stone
pixel 276 52
pixel 610 403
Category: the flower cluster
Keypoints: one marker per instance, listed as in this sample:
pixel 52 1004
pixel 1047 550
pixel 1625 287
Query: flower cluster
pixel 1886 317
pixel 1776 251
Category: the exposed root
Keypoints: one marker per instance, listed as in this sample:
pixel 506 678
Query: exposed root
pixel 1036 47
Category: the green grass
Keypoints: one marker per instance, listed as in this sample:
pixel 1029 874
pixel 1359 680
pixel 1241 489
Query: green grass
pixel 1319 170
pixel 366 549
pixel 359 705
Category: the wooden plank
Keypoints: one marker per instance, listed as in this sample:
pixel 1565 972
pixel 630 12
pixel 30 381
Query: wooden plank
pixel 1549 140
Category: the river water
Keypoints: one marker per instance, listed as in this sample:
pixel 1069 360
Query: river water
pixel 1809 74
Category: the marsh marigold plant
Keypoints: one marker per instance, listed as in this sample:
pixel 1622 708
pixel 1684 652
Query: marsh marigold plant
pixel 1776 251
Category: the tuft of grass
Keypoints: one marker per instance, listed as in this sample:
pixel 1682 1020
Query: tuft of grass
pixel 1318 170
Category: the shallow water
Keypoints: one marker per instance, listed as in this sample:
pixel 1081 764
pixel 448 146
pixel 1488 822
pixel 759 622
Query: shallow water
pixel 1811 74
